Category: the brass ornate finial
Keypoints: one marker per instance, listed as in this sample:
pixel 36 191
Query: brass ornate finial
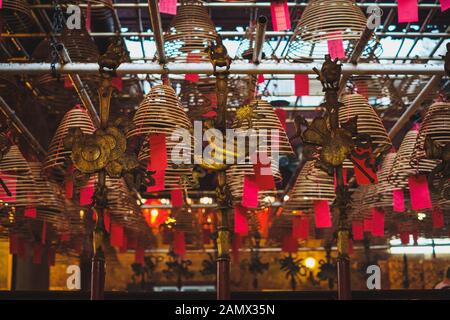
pixel 115 54
pixel 218 54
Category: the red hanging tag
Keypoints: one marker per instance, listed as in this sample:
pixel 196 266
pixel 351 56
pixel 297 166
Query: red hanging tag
pixel 357 230
pixel 282 116
pixel 377 222
pixel 289 245
pixel 300 227
pixel 44 232
pixel 438 218
pixel 445 4
pixel 367 225
pixel 68 182
pixel 159 178
pixel 362 88
pixel 67 82
pixel 117 235
pixel 281 19
pixel 117 83
pixel 335 45
pixel 51 257
pixel 398 200
pixel 1 4
pixel 37 253
pixel 240 221
pixel 86 194
pixel 107 221
pixel 350 247
pixel 192 58
pixel 364 166
pixel 177 197
pixel 179 243
pixel 236 246
pixel 404 237
pixel 322 214
pixel 158 152
pixel 30 212
pixel 168 6
pixel 263 172
pixel 408 11
pixel 88 17
pixel 139 255
pixel 420 195
pixel 263 219
pixel 260 78
pixel 301 82
pixel 250 192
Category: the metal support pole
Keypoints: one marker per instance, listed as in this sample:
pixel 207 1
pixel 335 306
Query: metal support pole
pixel 414 106
pixel 21 128
pixel 155 19
pixel 236 68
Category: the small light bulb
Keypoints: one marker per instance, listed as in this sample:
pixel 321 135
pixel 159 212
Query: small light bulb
pixel 286 198
pixel 310 262
pixel 81 214
pixel 154 213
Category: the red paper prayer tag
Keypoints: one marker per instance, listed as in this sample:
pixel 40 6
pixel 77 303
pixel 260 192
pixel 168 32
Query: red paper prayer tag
pixel 158 152
pixel 86 194
pixel 418 190
pixel 159 185
pixel 301 83
pixel 289 245
pixel 363 165
pixel 240 221
pixel 117 83
pixel 30 212
pixel 177 197
pixel 335 45
pixel 445 4
pixel 322 214
pixel 192 58
pixel 168 7
pixel 117 235
pixel 263 219
pixel 250 192
pixel 88 16
pixel 398 199
pixel 139 255
pixel 179 243
pixel 358 230
pixel 408 11
pixel 37 253
pixel 260 78
pixel 67 82
pixel 367 225
pixel 281 19
pixel 404 237
pixel 107 221
pixel 377 222
pixel 438 218
pixel 300 227
pixel 1 4
pixel 192 77
pixel 263 172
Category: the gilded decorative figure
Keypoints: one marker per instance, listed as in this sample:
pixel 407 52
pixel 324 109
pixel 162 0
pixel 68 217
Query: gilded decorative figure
pixel 330 73
pixel 441 172
pixel 218 54
pixel 248 112
pixel 115 54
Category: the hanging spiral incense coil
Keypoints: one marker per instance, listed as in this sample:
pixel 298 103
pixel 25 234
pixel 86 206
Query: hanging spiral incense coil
pixel 436 124
pixel 190 32
pixel 368 86
pixel 57 155
pixel 403 167
pixel 17 15
pixel 17 176
pixel 368 120
pixel 159 112
pixel 311 184
pixel 264 121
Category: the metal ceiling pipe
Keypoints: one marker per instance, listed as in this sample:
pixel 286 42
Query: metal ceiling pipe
pixel 21 128
pixel 414 106
pixel 155 19
pixel 236 68
pixel 260 36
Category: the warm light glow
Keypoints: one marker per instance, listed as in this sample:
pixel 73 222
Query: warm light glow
pixel 154 213
pixel 286 198
pixel 421 216
pixel 269 199
pixel 208 219
pixel 310 263
pixel 81 214
pixel 206 200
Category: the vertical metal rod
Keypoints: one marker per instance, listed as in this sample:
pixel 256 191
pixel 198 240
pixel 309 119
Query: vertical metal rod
pixel 259 39
pixel 155 19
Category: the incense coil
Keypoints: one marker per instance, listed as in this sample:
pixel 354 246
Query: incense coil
pixel 368 120
pixel 311 184
pixel 17 15
pixel 79 45
pixel 403 167
pixel 190 32
pixel 262 125
pixel 15 169
pixel 372 87
pixel 159 112
pixel 323 18
pixel 57 155
pixel 436 124
pixel 235 180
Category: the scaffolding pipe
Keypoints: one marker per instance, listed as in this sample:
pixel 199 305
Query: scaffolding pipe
pixel 414 106
pixel 21 128
pixel 155 19
pixel 259 39
pixel 236 68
